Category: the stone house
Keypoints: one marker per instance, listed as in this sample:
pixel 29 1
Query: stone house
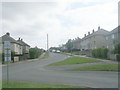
pixel 76 44
pixel 25 49
pixel 96 39
pixel 16 47
pixel 112 39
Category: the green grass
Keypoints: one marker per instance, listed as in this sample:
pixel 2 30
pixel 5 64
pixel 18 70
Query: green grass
pixel 74 60
pixel 46 55
pixel 16 84
pixel 98 67
pixel 0 84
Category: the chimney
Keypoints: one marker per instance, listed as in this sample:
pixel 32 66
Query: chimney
pixel 8 33
pixel 19 39
pixel 93 30
pixel 99 28
pixel 88 33
pixel 85 35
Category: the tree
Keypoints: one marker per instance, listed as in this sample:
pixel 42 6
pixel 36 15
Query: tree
pixel 35 52
pixel 69 45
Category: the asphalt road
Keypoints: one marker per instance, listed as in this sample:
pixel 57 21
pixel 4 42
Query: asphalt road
pixel 36 71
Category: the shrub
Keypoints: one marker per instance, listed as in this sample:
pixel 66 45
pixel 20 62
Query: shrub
pixel 117 49
pixel 100 53
pixel 34 52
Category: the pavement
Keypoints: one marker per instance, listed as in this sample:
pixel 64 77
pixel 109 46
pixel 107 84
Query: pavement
pixel 38 71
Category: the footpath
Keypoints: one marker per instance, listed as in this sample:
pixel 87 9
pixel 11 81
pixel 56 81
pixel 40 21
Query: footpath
pixel 23 61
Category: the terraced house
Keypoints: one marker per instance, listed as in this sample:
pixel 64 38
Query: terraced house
pixel 96 39
pixel 112 39
pixel 25 49
pixel 16 47
pixel 76 43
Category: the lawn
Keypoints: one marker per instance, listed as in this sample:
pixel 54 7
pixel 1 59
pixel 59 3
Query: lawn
pixel 0 84
pixel 98 67
pixel 74 60
pixel 16 84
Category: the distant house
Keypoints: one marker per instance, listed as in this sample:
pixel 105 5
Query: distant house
pixel 96 39
pixel 25 49
pixel 76 44
pixel 63 47
pixel 16 47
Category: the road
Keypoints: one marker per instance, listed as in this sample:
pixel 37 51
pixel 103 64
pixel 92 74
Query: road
pixel 36 71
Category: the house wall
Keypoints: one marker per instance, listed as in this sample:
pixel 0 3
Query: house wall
pixel 95 41
pixel 112 40
pixel 100 41
pixel 85 44
pixel 76 44
pixel 27 49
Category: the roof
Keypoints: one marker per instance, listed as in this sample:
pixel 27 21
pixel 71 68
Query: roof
pixel 115 30
pixel 98 32
pixel 23 43
pixel 8 38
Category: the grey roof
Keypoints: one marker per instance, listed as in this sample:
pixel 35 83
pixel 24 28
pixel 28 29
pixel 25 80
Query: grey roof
pixel 23 43
pixel 98 32
pixel 115 30
pixel 8 38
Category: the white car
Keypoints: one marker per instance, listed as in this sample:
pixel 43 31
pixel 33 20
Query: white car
pixel 58 51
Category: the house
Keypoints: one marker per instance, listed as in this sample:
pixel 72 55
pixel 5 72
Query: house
pixel 112 39
pixel 63 47
pixel 16 47
pixel 76 44
pixel 96 39
pixel 25 49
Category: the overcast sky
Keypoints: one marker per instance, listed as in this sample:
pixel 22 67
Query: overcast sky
pixel 61 19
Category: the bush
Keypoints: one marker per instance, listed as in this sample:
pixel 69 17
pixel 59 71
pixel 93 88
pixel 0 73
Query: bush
pixel 100 53
pixel 117 49
pixel 35 52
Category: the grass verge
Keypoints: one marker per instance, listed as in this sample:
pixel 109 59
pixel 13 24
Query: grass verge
pixel 16 84
pixel 0 84
pixel 45 55
pixel 98 67
pixel 74 60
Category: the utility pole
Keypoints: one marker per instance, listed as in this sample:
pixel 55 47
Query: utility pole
pixel 47 46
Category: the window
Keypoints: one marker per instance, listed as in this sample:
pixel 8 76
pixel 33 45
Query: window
pixel 106 38
pixel 113 47
pixel 113 36
pixel 107 46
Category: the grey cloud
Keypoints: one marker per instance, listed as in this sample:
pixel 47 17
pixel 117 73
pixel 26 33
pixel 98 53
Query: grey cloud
pixel 11 9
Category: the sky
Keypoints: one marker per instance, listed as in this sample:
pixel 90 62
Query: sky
pixel 31 20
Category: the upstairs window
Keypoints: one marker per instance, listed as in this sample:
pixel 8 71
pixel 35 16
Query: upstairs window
pixel 113 36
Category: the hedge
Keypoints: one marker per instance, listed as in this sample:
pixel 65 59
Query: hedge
pixel 100 53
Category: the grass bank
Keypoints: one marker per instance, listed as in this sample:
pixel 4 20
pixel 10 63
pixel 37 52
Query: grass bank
pixel 74 60
pixel 44 55
pixel 16 84
pixel 98 67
